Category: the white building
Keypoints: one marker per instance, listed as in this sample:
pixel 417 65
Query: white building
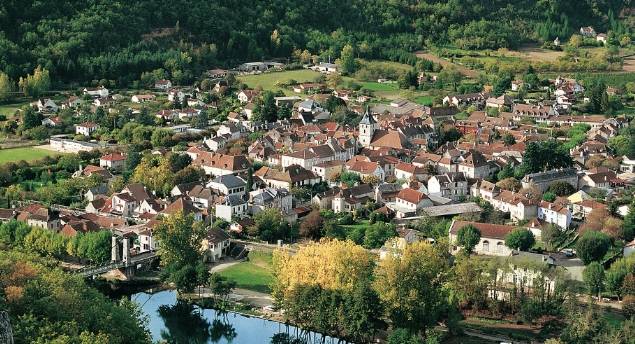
pixel 492 242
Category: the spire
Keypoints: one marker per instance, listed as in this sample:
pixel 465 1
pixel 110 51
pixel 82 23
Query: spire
pixel 367 118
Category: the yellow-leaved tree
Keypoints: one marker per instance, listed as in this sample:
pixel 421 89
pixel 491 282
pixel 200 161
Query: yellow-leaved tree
pixel 329 264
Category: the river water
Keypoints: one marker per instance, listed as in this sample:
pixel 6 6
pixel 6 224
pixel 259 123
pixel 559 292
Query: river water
pixel 178 322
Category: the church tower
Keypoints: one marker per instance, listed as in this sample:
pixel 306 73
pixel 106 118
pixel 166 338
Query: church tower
pixel 367 127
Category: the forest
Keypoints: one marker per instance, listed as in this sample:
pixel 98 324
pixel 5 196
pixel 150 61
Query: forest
pixel 87 41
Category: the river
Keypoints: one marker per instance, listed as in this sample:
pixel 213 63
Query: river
pixel 178 322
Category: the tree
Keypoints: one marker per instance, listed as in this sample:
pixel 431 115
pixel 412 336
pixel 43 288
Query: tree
pixel 509 139
pixel 510 183
pixel 468 237
pixel 7 87
pixel 593 276
pixel 35 85
pixel 628 227
pixel 545 155
pixel 311 226
pixel 561 188
pixel 520 239
pixel 161 137
pixel 403 336
pixel 592 246
pixel 269 225
pixel 220 286
pixel 378 233
pixel 347 60
pixel 551 236
pixel 411 286
pixel 31 118
pixel 180 250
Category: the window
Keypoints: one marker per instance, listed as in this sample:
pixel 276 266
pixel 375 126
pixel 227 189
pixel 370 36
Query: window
pixel 486 246
pixel 500 247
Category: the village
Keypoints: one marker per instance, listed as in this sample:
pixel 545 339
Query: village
pixel 494 172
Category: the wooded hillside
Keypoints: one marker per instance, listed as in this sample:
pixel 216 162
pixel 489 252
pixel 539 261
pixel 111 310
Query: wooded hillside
pixel 83 40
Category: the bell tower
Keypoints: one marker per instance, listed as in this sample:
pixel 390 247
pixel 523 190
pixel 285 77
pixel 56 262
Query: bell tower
pixel 367 127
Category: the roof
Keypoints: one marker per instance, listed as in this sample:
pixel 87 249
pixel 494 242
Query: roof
pixel 411 195
pixel 230 181
pixel 368 118
pixel 216 235
pixel 181 204
pixel 113 157
pixel 488 230
pixel 452 209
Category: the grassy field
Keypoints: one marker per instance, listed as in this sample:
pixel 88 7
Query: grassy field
pixel 254 274
pixel 10 109
pixel 375 86
pixel 271 81
pixel 424 100
pixel 23 153
pixel 360 224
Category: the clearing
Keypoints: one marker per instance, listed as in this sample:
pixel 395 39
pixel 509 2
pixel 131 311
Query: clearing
pixel 11 108
pixel 271 81
pixel 23 153
pixel 535 53
pixel 445 63
pixel 254 274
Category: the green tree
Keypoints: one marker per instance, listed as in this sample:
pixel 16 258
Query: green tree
pixel 593 276
pixel 7 87
pixel 520 239
pixel 468 237
pixel 411 286
pixel 180 250
pixel 403 336
pixel 592 246
pixel 221 286
pixel 31 118
pixel 347 60
pixel 36 84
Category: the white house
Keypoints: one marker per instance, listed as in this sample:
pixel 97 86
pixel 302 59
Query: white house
pixel 98 92
pixel 228 185
pixel 163 85
pixel 452 185
pixel 408 201
pixel 492 242
pixel 113 161
pixel 142 98
pixel 215 245
pixel 557 213
pixel 232 207
pixel 86 128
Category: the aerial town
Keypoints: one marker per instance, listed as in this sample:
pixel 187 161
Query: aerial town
pixel 445 197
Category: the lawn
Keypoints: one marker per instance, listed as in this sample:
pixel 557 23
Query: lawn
pixel 358 225
pixel 384 86
pixel 23 153
pixel 271 81
pixel 424 100
pixel 254 274
pixel 10 109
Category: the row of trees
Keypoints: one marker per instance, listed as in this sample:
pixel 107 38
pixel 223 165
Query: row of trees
pixel 337 287
pixel 93 247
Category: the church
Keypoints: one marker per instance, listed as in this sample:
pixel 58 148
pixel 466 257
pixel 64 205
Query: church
pixel 372 137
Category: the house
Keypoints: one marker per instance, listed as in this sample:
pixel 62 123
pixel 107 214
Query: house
pixel 231 207
pixel 408 201
pixel 163 85
pixel 113 161
pixel 308 87
pixel 407 171
pixel 474 164
pixel 37 215
pixel 228 185
pixel 183 206
pixel 98 92
pixel 104 102
pixel 290 177
pixel 328 170
pixel 367 169
pixel 460 100
pixel 217 164
pixel 627 164
pixel 557 213
pixel 86 128
pixel 74 227
pixel 216 73
pixel 517 85
pixel 52 121
pixel 599 178
pixel 386 192
pixel 519 207
pixel 278 198
pixel 72 102
pixel 587 31
pixel 143 98
pixel 542 180
pixel 45 105
pixel 452 185
pixel 324 67
pixel 499 103
pixel 175 93
pixel 349 199
pixel 215 245
pixel 602 38
pixel 492 241
pixel 248 96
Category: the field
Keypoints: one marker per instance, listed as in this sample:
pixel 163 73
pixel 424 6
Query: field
pixel 535 53
pixel 271 81
pixel 445 63
pixel 375 86
pixel 23 153
pixel 254 274
pixel 10 109
pixel 424 100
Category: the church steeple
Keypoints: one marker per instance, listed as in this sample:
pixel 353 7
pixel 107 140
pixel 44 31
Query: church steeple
pixel 367 127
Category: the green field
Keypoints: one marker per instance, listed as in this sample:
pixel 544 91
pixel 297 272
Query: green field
pixel 375 86
pixel 424 100
pixel 23 153
pixel 271 81
pixel 254 274
pixel 10 109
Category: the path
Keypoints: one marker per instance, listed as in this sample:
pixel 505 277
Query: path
pixel 254 298
pixel 470 73
pixel 222 266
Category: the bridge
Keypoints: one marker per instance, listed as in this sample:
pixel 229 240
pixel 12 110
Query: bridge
pixel 122 258
pixel 145 258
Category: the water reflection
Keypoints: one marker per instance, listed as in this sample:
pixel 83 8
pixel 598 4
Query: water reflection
pixel 177 322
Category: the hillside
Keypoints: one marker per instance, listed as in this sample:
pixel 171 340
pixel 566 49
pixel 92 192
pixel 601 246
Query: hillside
pixel 83 40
